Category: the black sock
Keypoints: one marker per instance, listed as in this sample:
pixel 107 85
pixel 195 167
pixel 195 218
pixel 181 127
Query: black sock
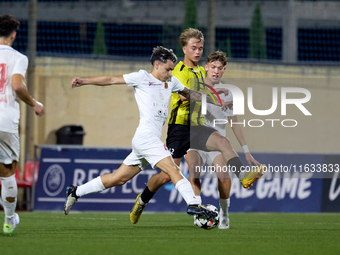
pixel 147 195
pixel 235 165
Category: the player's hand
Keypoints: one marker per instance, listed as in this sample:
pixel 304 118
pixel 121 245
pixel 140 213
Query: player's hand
pixel 39 108
pixel 223 90
pixel 77 82
pixel 251 161
pixel 227 104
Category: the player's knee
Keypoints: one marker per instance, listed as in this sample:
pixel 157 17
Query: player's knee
pixel 122 181
pixel 166 179
pixel 224 144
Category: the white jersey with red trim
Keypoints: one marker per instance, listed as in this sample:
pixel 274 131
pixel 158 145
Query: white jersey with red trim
pixel 11 62
pixel 152 96
pixel 215 112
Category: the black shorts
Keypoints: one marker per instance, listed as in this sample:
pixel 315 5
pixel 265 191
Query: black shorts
pixel 181 138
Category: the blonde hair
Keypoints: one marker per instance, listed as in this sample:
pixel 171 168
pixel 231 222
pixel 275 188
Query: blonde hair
pixel 190 33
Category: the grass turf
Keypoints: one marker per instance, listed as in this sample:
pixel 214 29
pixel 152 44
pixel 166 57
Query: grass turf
pixel 172 233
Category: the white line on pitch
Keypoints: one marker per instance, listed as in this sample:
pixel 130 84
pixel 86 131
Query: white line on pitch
pixel 98 161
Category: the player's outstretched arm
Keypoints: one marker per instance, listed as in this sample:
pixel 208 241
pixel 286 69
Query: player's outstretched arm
pixel 240 137
pixel 183 98
pixel 98 81
pixel 19 86
pixel 195 96
pixel 187 99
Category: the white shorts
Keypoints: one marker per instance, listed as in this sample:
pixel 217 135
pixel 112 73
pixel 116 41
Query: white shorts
pixel 207 156
pixel 9 147
pixel 146 149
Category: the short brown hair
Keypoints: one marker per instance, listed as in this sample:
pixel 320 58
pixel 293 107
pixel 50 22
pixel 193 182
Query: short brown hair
pixel 190 33
pixel 8 25
pixel 217 56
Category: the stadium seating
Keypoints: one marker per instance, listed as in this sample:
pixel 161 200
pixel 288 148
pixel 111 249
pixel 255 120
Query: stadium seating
pixel 28 172
pixel 20 182
pixel 28 178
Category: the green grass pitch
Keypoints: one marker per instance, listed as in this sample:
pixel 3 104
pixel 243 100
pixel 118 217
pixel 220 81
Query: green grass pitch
pixel 172 233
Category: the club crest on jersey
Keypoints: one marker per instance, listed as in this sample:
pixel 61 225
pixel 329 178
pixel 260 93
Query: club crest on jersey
pixel 166 85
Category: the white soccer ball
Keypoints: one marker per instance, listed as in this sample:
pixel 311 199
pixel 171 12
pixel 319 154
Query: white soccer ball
pixel 206 223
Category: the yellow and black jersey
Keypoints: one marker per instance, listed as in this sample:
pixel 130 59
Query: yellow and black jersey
pixel 183 111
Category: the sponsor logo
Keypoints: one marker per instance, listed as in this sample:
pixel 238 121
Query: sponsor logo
pixel 54 180
pixel 151 84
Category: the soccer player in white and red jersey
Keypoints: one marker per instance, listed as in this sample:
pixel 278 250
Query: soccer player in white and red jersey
pixel 152 92
pixel 215 68
pixel 13 66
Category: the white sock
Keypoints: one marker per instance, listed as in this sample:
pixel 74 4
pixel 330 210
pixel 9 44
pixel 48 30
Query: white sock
pixel 199 199
pixel 224 204
pixel 184 188
pixel 141 201
pixel 94 186
pixel 242 174
pixel 9 193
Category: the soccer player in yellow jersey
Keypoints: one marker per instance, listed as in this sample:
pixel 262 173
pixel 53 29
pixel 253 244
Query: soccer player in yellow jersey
pixel 187 126
pixel 186 72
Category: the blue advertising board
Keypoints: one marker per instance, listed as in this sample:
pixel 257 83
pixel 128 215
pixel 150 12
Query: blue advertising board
pixel 331 187
pixel 61 166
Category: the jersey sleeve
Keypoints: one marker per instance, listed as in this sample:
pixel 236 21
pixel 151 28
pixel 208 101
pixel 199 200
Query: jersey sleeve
pixel 20 66
pixel 135 78
pixel 177 85
pixel 182 77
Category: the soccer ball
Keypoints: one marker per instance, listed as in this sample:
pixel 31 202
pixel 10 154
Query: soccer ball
pixel 205 223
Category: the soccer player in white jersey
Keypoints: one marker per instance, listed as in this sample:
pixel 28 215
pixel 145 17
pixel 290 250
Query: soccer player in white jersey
pixel 13 66
pixel 152 92
pixel 215 68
